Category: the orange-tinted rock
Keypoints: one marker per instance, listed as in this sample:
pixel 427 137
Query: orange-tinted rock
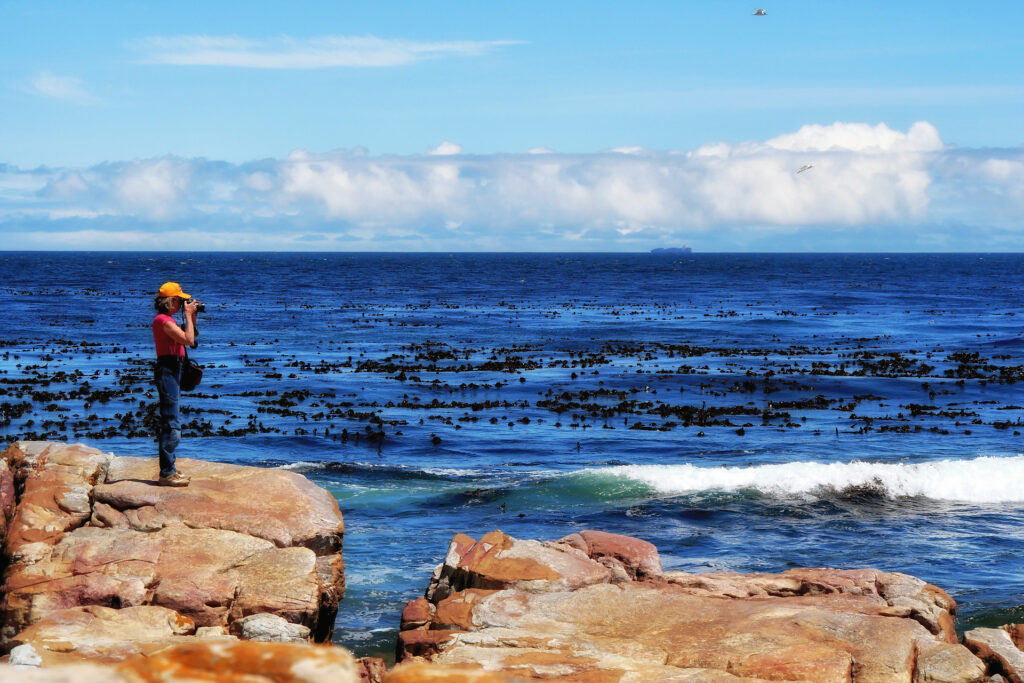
pixel 7 500
pixel 456 611
pixel 640 558
pixel 996 647
pixel 421 642
pixel 1016 632
pixel 218 660
pixel 280 506
pixel 423 672
pixel 82 672
pixel 417 613
pixel 498 561
pixel 230 660
pixel 91 529
pixel 104 634
pixel 943 662
pixel 371 669
pixel 821 625
pixel 894 594
pixel 57 480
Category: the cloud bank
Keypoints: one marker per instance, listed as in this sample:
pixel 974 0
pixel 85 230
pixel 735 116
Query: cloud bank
pixel 286 52
pixel 869 188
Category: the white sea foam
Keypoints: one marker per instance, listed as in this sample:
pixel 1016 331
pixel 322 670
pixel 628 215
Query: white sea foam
pixel 299 466
pixel 978 480
pixel 451 472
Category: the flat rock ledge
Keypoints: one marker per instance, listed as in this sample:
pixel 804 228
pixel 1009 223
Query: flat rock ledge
pixel 102 564
pixel 597 607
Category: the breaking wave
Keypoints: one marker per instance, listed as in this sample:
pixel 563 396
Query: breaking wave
pixel 979 480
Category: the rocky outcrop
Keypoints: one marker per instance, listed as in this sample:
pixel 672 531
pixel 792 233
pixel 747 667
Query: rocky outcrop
pixel 597 607
pixel 95 551
pixel 103 634
pixel 1002 649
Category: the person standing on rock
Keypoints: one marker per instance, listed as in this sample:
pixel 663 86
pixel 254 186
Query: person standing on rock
pixel 170 340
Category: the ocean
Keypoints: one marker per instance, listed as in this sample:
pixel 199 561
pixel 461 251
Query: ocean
pixel 743 412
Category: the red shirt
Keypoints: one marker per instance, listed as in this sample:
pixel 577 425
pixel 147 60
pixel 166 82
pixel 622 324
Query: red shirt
pixel 165 346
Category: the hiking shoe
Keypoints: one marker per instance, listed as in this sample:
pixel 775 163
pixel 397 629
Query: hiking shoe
pixel 175 479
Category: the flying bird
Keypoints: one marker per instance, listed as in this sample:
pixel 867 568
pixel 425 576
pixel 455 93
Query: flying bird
pixel 760 12
pixel 805 167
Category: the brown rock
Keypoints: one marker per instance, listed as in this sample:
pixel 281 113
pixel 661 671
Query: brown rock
pixel 229 660
pixel 640 558
pixel 91 529
pixel 422 642
pixel 947 663
pixel 7 499
pixel 104 634
pixel 209 575
pixel 417 614
pixel 57 480
pixel 1016 632
pixel 498 561
pixel 106 517
pixel 456 611
pixel 894 594
pixel 75 673
pixel 424 672
pixel 223 660
pixel 371 669
pixel 997 649
pixel 811 625
pixel 289 510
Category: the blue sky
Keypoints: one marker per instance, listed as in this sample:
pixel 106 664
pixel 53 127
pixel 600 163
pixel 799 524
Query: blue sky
pixel 510 126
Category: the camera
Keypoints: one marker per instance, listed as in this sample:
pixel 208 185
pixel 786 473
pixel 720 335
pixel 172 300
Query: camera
pixel 200 307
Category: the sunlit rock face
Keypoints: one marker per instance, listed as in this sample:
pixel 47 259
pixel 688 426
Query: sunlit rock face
pixel 102 562
pixel 597 606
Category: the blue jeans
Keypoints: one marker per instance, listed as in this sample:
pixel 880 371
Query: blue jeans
pixel 167 376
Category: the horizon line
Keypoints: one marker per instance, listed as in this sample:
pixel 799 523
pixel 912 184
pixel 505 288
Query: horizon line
pixel 452 252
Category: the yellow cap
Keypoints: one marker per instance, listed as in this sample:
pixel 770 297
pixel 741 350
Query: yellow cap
pixel 172 289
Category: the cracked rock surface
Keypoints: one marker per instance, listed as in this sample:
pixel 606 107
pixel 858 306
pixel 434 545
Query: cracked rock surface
pixel 86 530
pixel 597 607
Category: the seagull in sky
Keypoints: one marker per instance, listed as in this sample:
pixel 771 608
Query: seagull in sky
pixel 805 167
pixel 760 12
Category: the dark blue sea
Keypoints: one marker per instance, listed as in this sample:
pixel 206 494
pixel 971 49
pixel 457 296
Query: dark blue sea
pixel 750 412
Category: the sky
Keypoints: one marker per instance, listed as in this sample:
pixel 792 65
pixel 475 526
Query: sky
pixel 511 126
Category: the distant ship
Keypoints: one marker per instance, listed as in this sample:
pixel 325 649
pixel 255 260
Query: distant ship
pixel 671 250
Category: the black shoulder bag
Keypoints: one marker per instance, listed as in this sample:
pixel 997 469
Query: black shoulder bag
pixel 191 374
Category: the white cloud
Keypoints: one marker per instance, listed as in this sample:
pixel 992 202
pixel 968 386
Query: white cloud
pixel 155 188
pixel 903 185
pixel 629 149
pixel 446 148
pixel 860 137
pixel 66 88
pixel 259 181
pixel 286 52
